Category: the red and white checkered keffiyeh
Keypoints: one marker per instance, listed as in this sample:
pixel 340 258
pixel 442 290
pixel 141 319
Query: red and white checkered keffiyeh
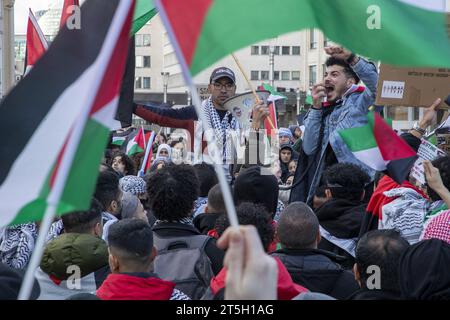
pixel 438 227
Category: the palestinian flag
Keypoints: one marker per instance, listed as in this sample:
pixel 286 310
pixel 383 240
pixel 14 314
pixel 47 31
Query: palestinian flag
pixel 67 11
pixel 144 12
pixel 380 148
pixel 205 30
pixel 137 143
pixel 36 42
pixel 118 141
pixel 147 161
pixel 57 122
pixel 272 105
pixel 274 95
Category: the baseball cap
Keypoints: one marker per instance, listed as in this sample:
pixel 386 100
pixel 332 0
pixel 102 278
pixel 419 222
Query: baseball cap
pixel 222 72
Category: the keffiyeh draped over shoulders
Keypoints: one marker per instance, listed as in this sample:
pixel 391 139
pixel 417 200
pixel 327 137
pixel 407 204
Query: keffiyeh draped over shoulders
pixel 222 130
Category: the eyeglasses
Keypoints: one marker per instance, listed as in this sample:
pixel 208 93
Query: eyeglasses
pixel 226 86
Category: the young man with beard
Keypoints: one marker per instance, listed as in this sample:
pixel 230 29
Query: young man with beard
pixel 346 106
pixel 222 86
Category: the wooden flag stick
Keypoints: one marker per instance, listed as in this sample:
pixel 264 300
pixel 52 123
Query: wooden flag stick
pixel 258 101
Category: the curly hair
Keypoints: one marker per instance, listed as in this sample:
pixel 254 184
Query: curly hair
pixel 172 192
pixel 346 181
pixel 130 169
pixel 251 214
pixel 443 165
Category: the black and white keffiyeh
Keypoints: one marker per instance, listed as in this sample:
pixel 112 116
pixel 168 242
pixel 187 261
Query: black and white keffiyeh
pixel 17 244
pixel 222 129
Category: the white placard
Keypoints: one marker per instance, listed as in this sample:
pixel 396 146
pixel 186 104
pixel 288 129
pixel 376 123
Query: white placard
pixel 393 89
pixel 427 151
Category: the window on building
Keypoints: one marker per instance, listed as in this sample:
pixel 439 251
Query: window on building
pixel 143 62
pixel 146 40
pixel 265 50
pixel 142 40
pixel 312 75
pixel 138 83
pixel 313 39
pixel 255 50
pixel 295 75
pixel 285 75
pixel 285 50
pixel 276 50
pixel 147 63
pixel 254 75
pixel 296 50
pixel 276 75
pixel 326 42
pixel 139 61
pixel 146 83
pixel 264 75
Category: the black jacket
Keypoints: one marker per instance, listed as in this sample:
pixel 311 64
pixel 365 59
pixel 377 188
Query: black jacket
pixel 216 255
pixel 205 222
pixel 342 219
pixel 366 294
pixel 318 271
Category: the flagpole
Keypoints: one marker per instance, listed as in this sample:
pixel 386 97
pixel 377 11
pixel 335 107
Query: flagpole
pixel 68 157
pixel 147 153
pixel 258 101
pixel 143 136
pixel 210 139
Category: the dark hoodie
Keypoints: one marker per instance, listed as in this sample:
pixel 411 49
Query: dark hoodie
pixel 285 165
pixel 424 271
pixel 205 222
pixel 342 219
pixel 252 186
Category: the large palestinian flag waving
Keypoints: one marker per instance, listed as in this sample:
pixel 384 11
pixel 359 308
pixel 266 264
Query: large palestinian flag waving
pixel 72 89
pixel 416 32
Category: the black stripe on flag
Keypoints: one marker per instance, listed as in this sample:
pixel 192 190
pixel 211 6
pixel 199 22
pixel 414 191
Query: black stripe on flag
pixel 399 169
pixel 71 53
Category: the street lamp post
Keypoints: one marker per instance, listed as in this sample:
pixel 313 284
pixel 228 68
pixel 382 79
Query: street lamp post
pixel 189 98
pixel 272 65
pixel 165 84
pixel 298 100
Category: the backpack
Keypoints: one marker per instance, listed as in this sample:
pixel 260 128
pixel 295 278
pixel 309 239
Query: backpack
pixel 183 260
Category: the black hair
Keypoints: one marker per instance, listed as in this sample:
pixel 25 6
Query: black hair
pixel 346 181
pixel 83 221
pixel 133 238
pixel 383 249
pixel 215 200
pixel 298 226
pixel 250 214
pixel 107 188
pixel 130 169
pixel 443 165
pixel 332 61
pixel 172 192
pixel 108 156
pixel 320 191
pixel 206 177
pixel 175 142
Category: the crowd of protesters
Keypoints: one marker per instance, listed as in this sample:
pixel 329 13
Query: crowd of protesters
pixel 356 234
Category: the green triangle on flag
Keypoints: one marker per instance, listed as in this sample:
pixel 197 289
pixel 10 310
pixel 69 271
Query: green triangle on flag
pixel 144 11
